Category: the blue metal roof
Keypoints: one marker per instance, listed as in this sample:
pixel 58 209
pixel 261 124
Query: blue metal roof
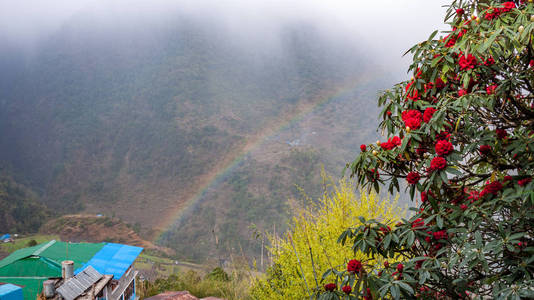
pixel 10 292
pixel 5 236
pixel 113 259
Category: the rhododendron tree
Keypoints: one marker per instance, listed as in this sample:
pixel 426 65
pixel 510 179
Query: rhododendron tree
pixel 464 140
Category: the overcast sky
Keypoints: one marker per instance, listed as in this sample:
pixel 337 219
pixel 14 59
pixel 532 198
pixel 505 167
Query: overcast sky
pixel 391 26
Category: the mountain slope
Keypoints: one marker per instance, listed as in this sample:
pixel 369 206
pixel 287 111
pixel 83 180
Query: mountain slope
pixel 168 123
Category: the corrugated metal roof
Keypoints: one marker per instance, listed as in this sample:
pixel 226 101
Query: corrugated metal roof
pixel 114 259
pixel 10 291
pixel 78 284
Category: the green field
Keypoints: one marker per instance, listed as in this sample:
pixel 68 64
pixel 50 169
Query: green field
pixel 22 242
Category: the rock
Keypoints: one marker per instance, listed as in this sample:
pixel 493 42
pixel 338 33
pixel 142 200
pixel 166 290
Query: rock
pixel 183 295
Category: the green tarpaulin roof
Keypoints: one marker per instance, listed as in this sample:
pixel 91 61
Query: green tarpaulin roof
pixel 31 266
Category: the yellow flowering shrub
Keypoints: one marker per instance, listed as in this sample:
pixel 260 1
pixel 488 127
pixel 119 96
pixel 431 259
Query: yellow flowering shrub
pixel 310 247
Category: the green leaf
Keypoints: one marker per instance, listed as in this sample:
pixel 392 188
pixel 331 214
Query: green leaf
pixel 439 221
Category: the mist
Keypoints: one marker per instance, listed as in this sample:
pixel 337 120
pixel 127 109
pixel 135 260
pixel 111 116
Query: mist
pixel 384 29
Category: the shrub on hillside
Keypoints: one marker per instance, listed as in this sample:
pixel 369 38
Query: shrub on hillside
pixel 311 247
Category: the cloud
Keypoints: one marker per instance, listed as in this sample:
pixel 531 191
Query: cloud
pixel 389 27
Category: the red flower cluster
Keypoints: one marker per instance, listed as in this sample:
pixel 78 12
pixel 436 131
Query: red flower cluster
pixel 474 196
pixel 391 143
pixel 440 84
pixel 462 92
pixel 354 266
pixel 507 6
pixel 414 95
pixel 491 89
pixel 412 118
pixel 460 11
pixel 525 181
pixel 443 147
pixel 424 197
pixel 413 177
pixel 330 287
pixel 427 115
pixel 467 62
pixel 489 61
pixel 374 174
pixel 400 267
pixel 492 188
pixel 495 12
pixel 438 163
pixel 346 289
pixel 440 235
pixel 485 149
pixel 444 135
pixel 492 13
pixel 363 147
pixel 418 223
pixel 501 133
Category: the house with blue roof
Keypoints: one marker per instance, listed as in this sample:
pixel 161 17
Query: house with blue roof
pixel 73 270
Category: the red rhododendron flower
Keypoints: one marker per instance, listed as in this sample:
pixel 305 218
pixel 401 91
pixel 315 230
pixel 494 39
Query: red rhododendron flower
pixel 424 197
pixel 413 123
pixel 444 135
pixel 492 13
pixel 507 178
pixel 451 40
pixel 387 145
pixel 413 177
pixel 386 264
pixel 460 11
pixel 474 196
pixel 463 207
pixel 346 289
pixel 525 181
pixel 363 147
pixel 418 223
pixel 507 6
pixel 400 267
pixel 395 141
pixel 414 95
pixel 443 147
pixel 330 287
pixel 440 235
pixel 467 62
pixel 501 133
pixel 374 174
pixel 440 84
pixel 485 149
pixel 412 118
pixel 354 266
pixel 385 230
pixel 531 63
pixel 427 115
pixel 491 188
pixel 462 92
pixel 489 61
pixel 438 163
pixel 491 89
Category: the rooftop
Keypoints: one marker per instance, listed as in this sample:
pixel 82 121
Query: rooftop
pixel 30 267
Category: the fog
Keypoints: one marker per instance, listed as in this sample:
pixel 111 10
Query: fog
pixel 386 28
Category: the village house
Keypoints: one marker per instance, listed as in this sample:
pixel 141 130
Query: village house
pixel 61 270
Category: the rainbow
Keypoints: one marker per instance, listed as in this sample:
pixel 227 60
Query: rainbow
pixel 214 178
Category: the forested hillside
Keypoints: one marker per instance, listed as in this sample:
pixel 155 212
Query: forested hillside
pixel 181 128
pixel 21 212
